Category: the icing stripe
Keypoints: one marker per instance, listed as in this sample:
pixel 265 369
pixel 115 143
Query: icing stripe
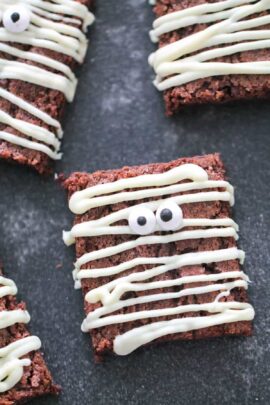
pixel 41 59
pixel 29 39
pixel 18 140
pixel 24 105
pixel 111 295
pixel 202 13
pixel 82 201
pixel 168 263
pixel 35 75
pixel 173 60
pixel 151 240
pixel 153 205
pixel 11 364
pixel 9 318
pixel 153 192
pixel 31 130
pixel 68 7
pixel 86 229
pixel 7 287
pixel 131 340
pixel 156 313
pixel 104 293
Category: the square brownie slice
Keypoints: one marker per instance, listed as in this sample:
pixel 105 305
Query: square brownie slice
pixel 39 50
pixel 156 252
pixel 211 51
pixel 23 371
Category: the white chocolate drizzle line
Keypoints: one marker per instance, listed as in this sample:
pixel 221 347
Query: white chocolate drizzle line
pixel 50 28
pixel 11 364
pixel 167 264
pixel 110 295
pixel 84 200
pixel 98 226
pixel 111 292
pixel 225 313
pixel 173 65
pixel 155 239
pixel 86 229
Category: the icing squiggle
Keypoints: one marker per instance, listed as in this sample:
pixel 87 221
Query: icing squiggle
pixel 229 312
pixel 173 64
pixel 11 363
pixel 49 28
pixel 84 200
pixel 193 179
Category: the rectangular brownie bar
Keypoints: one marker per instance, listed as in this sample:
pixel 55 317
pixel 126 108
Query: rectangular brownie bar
pixel 38 76
pixel 211 52
pixel 156 254
pixel 23 372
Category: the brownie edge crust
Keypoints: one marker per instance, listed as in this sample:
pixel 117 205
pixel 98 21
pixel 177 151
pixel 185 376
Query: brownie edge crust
pixel 105 336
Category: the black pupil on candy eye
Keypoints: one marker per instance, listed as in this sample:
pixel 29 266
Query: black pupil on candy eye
pixel 141 221
pixel 166 215
pixel 15 17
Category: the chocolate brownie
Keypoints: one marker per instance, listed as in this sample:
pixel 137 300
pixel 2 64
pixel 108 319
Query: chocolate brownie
pixel 219 87
pixel 144 228
pixel 36 379
pixel 57 54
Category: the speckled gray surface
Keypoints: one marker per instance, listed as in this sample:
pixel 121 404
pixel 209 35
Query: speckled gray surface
pixel 117 119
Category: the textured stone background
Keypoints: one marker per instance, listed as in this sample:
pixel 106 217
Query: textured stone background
pixel 118 119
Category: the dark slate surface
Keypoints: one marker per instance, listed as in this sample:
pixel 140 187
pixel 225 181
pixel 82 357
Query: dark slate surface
pixel 117 119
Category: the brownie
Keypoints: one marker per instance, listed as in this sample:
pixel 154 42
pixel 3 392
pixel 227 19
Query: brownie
pixel 36 380
pixel 215 89
pixel 103 337
pixel 50 101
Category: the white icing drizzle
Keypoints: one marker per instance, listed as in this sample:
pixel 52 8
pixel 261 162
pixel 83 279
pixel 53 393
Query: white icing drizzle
pixel 87 228
pixel 24 105
pixel 111 292
pixel 229 312
pixel 17 140
pixel 49 28
pixel 110 295
pixel 173 65
pixel 84 200
pixel 11 364
pixel 154 239
pixel 7 287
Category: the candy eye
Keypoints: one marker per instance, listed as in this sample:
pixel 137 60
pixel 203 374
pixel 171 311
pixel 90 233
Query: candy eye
pixel 142 221
pixel 169 216
pixel 16 19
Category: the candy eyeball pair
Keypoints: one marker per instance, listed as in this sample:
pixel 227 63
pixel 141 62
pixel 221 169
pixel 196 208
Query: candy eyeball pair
pixel 16 19
pixel 143 221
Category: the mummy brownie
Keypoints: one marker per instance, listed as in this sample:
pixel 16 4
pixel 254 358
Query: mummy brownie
pixel 211 51
pixel 40 44
pixel 23 372
pixel 156 254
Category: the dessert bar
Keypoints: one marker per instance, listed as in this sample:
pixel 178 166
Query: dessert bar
pixel 211 52
pixel 41 42
pixel 23 372
pixel 156 254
